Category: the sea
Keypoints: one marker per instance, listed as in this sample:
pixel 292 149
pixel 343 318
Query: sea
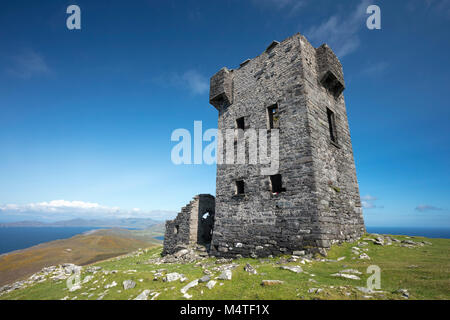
pixel 443 233
pixel 16 238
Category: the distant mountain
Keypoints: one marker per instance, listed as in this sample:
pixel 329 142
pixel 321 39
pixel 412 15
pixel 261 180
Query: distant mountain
pixel 135 223
pixel 24 224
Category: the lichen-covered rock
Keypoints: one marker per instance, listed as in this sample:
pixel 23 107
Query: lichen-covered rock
pixel 271 282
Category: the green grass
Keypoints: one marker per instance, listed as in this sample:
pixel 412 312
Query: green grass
pixel 423 271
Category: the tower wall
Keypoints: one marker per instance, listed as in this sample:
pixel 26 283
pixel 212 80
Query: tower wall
pixel 321 202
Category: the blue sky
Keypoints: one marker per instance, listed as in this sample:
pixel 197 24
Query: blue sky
pixel 86 115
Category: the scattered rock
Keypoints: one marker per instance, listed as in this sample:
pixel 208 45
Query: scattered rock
pixel 364 256
pixel 315 290
pixel 87 279
pixel 204 279
pixel 404 293
pixel 156 295
pixel 224 261
pixel 271 282
pixel 225 275
pixel 379 241
pixel 181 253
pixel 367 290
pixel 296 269
pixel 143 296
pixel 211 284
pixel 354 271
pixel 113 284
pixel 75 288
pixel 188 286
pixel 173 276
pixel 249 268
pixel 347 276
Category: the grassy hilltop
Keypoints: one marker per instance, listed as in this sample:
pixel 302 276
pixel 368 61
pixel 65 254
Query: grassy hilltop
pixel 411 268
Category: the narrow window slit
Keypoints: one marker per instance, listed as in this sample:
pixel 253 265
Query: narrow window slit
pixel 332 125
pixel 240 187
pixel 240 123
pixel 273 117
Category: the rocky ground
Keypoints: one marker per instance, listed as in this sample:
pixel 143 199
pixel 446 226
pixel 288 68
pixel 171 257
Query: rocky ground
pixel 405 265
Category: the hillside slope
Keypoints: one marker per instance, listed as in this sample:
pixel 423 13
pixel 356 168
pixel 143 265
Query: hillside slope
pixel 81 250
pixel 411 268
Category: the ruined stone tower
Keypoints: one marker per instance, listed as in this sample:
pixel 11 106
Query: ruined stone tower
pixel 192 226
pixel 313 200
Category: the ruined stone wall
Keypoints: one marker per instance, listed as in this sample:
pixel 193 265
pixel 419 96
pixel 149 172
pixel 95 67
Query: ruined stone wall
pixel 259 222
pixel 189 227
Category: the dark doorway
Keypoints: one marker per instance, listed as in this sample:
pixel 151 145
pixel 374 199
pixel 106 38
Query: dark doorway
pixel 205 227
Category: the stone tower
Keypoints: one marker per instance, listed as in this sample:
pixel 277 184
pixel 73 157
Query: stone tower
pixel 313 200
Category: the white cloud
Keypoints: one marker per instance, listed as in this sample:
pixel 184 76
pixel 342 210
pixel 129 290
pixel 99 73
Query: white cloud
pixel 367 202
pixel 427 207
pixel 292 5
pixel 197 83
pixel 439 6
pixel 27 65
pixel 191 80
pixel 369 198
pixel 340 31
pixel 63 209
pixel 375 69
pixel 367 205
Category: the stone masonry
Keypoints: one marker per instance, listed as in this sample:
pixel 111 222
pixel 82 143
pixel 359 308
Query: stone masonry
pixel 314 200
pixel 192 226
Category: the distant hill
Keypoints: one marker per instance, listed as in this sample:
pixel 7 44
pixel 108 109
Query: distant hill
pixel 132 223
pixel 81 249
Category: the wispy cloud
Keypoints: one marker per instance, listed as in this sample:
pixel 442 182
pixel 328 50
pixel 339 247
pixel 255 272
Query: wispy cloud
pixel 375 69
pixel 64 209
pixel 438 7
pixel 427 207
pixel 27 65
pixel 191 80
pixel 340 31
pixel 367 202
pixel 196 82
pixel 292 5
pixel 369 198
